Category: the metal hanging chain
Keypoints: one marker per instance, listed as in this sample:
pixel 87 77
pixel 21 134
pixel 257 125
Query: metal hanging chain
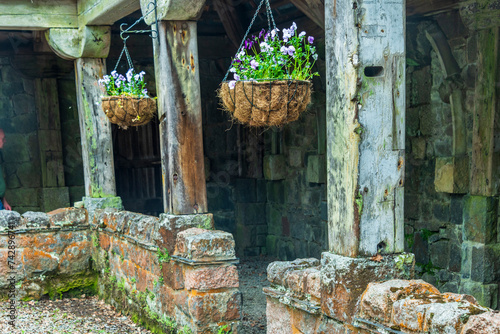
pixel 270 16
pixel 268 7
pixel 127 55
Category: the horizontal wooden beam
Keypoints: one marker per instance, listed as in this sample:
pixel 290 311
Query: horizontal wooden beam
pixel 37 15
pixel 104 12
pixel 428 7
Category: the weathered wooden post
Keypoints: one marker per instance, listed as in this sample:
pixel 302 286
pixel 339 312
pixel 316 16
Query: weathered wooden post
pixel 365 54
pixel 88 46
pixel 179 104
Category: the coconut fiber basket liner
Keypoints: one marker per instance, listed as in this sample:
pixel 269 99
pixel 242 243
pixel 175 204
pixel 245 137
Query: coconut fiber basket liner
pixel 266 103
pixel 128 111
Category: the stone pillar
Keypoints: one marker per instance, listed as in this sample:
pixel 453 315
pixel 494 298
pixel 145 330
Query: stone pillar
pixel 179 105
pixel 88 46
pixel 365 54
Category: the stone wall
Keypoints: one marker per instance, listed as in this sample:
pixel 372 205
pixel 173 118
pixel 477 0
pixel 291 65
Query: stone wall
pixel 51 254
pixel 168 273
pixel 452 234
pixel 20 156
pixel 41 157
pixel 344 295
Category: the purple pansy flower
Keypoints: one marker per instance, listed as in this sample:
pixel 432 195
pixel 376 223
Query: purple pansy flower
pixel 236 76
pixel 310 39
pixel 254 64
pixel 232 83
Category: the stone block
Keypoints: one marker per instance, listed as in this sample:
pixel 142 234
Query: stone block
pixel 68 217
pixel 75 258
pixel 27 197
pixel 245 191
pixel 274 167
pixel 432 315
pixel 377 300
pixel 144 228
pixel 92 204
pixel 480 219
pixel 251 213
pixel 276 192
pixel 215 307
pixel 277 271
pixel 171 225
pixel 261 191
pixel 456 209
pixel 484 323
pixel 35 219
pixel 37 262
pixel 205 246
pixel 173 275
pixel 440 253
pixel 452 175
pixel 418 145
pixel 486 294
pixel 279 318
pixel 219 197
pixel 9 220
pixel 271 245
pixel 343 280
pixel 54 198
pixel 316 169
pixel 213 277
pixel 295 157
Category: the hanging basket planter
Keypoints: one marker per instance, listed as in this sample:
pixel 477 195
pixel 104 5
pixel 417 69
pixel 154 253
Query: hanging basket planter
pixel 266 103
pixel 128 111
pixel 269 83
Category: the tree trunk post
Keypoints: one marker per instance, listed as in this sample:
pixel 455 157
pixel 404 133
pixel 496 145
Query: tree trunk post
pixel 179 111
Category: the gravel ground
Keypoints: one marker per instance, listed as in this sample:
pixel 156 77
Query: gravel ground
pixel 90 315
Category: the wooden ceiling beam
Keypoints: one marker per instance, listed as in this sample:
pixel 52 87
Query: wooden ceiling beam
pixel 104 12
pixel 429 7
pixel 313 9
pixel 230 20
pixel 37 15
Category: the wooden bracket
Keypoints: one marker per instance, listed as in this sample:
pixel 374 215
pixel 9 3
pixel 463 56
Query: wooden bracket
pixel 179 10
pixel 85 42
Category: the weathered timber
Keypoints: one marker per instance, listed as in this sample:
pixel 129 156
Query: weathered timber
pixel 179 109
pixel 365 126
pixel 480 14
pixel 313 9
pixel 49 132
pixel 230 21
pixel 104 12
pixel 37 15
pixel 485 111
pixel 451 69
pixel 95 129
pixel 172 10
pixel 85 42
pixel 428 7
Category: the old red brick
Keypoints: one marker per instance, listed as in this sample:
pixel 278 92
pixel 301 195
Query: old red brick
pixel 173 275
pixel 215 277
pixel 485 323
pixel 204 246
pixel 208 308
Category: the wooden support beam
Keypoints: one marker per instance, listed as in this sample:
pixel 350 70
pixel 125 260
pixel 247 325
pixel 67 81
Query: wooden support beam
pixel 95 130
pixel 365 67
pixel 172 10
pixel 483 178
pixel 428 7
pixel 313 9
pixel 104 12
pixel 179 109
pixel 37 15
pixel 85 42
pixel 230 21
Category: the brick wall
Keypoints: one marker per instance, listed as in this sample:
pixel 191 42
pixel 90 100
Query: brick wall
pixel 168 273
